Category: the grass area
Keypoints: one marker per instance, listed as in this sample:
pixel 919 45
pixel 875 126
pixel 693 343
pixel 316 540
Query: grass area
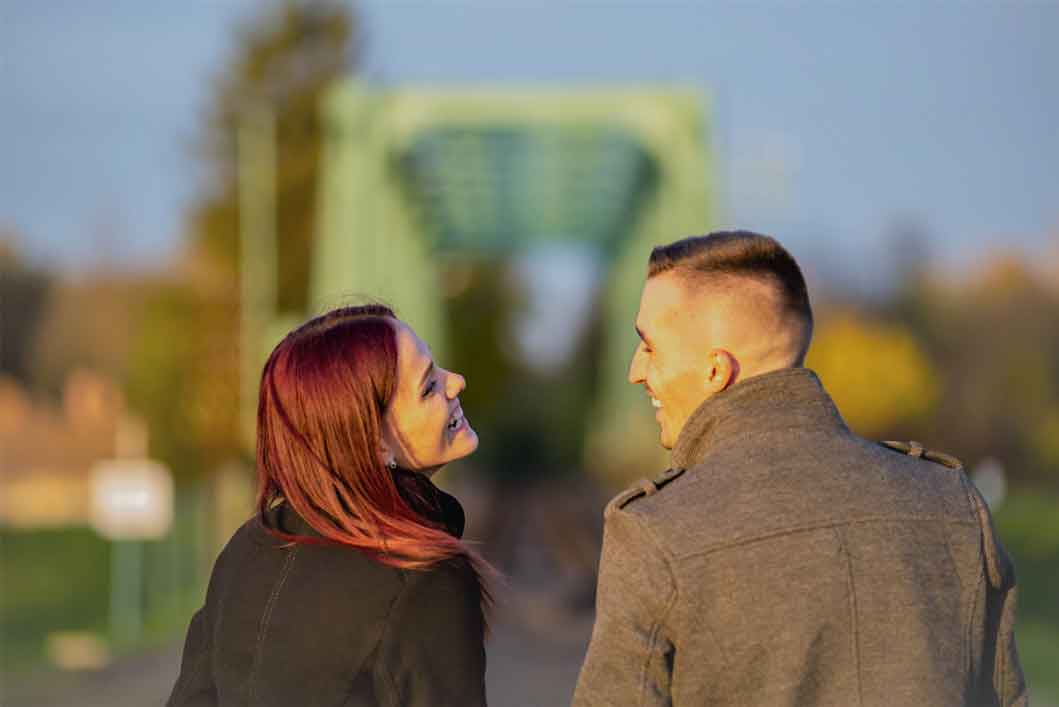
pixel 59 580
pixel 1028 524
pixel 1039 652
pixel 52 580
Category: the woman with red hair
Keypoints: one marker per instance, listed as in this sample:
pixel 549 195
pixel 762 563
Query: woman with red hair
pixel 351 585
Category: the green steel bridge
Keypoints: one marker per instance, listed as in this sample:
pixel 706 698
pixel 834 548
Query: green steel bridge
pixel 417 176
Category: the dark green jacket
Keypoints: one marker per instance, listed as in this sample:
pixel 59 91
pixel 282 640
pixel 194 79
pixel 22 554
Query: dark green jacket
pixel 308 625
pixel 786 561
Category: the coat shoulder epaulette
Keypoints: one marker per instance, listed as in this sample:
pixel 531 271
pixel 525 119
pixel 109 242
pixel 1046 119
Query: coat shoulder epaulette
pixel 915 449
pixel 642 488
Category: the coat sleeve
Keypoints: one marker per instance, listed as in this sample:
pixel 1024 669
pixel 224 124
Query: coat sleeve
pixel 194 686
pixel 432 652
pixel 631 653
pixel 1008 683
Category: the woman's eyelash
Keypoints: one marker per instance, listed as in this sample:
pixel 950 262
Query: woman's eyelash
pixel 429 388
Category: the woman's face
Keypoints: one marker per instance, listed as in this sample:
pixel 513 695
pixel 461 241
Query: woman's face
pixel 424 427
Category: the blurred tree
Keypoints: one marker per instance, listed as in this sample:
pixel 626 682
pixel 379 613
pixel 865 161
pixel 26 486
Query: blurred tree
pixel 24 292
pixel 996 339
pixel 286 59
pixel 908 238
pixel 89 322
pixel 183 377
pixel 1046 441
pixel 908 243
pixel 879 376
pixel 186 372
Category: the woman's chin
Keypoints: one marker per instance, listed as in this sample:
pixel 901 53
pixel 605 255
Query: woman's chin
pixel 466 441
pixel 463 444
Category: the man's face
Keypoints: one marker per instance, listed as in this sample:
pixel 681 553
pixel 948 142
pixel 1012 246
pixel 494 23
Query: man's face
pixel 672 359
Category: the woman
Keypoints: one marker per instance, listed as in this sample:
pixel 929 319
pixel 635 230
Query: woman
pixel 351 585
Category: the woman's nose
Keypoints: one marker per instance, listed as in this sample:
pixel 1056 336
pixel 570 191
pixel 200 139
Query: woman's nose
pixel 455 384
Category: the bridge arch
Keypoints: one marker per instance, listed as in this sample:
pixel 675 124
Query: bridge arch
pixel 413 173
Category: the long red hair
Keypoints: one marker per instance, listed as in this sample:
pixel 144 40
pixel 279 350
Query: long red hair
pixel 324 392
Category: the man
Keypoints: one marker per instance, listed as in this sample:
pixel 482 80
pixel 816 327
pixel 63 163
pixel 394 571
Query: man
pixel 783 560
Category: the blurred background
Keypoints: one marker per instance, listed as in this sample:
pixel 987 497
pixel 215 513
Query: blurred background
pixel 182 183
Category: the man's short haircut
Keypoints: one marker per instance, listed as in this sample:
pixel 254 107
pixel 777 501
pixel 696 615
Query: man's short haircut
pixel 741 254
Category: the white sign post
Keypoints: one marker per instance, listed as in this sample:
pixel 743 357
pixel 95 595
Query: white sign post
pixel 132 500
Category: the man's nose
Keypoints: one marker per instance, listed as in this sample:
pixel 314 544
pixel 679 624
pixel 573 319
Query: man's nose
pixel 636 367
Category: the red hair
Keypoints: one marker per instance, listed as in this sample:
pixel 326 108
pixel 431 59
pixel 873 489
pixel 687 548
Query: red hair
pixel 324 393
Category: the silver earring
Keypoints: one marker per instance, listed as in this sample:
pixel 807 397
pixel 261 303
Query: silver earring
pixel 392 465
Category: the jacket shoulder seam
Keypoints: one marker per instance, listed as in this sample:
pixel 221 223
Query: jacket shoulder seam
pixel 853 609
pixel 266 619
pixel 384 635
pixel 795 530
pixel 642 488
pixel 660 620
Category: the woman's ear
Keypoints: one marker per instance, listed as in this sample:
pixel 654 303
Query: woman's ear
pixel 722 370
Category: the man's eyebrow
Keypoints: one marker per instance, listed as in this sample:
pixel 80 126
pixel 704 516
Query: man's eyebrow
pixel 426 374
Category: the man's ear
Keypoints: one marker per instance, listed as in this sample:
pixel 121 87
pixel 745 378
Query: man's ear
pixel 722 369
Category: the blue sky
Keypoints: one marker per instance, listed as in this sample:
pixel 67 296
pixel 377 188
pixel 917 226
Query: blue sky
pixel 832 121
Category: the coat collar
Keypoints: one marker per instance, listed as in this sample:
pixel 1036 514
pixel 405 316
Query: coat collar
pixel 789 397
pixel 439 508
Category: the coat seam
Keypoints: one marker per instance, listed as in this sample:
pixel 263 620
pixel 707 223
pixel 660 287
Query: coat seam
pixel 266 618
pixel 727 545
pixel 652 647
pixel 980 579
pixel 971 658
pixel 1001 659
pixel 965 643
pixel 384 634
pixel 853 612
pixel 656 628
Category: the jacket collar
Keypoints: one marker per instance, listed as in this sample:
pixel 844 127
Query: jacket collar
pixel 789 397
pixel 439 508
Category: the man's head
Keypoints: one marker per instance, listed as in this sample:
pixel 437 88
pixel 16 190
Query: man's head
pixel 716 309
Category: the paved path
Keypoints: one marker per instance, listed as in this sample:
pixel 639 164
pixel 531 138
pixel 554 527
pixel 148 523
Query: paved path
pixel 534 656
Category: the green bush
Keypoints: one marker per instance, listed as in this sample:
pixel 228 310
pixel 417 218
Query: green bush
pixel 53 580
pixel 1028 524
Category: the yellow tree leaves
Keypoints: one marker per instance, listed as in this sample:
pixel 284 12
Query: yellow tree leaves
pixel 877 373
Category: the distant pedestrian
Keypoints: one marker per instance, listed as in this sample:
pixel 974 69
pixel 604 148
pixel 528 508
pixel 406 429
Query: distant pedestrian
pixel 783 560
pixel 351 585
